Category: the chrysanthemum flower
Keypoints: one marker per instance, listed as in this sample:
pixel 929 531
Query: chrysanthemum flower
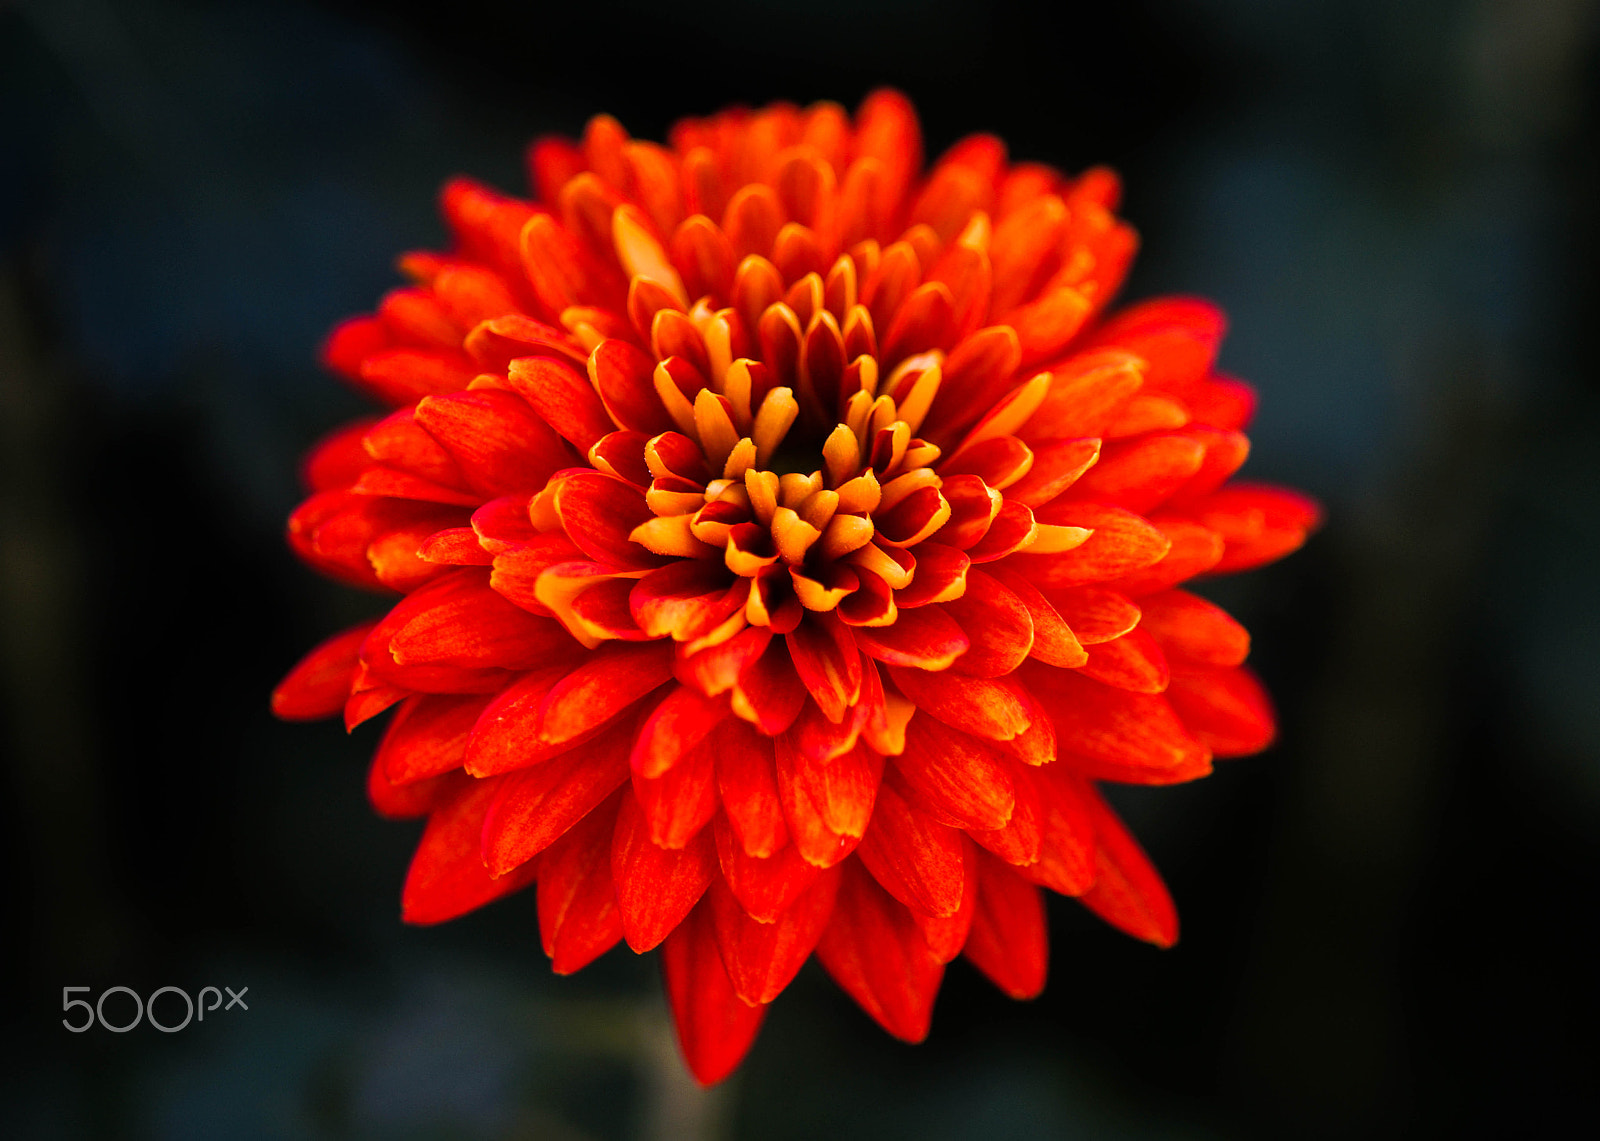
pixel 787 543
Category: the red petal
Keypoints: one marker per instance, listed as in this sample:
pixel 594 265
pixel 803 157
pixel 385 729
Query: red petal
pixel 1008 941
pixel 1054 641
pixel 1133 662
pixel 455 546
pixel 398 441
pixel 683 799
pixel 1066 861
pixel 623 377
pixel 1128 892
pixel 1258 523
pixel 1195 549
pixel 598 512
pixel 771 690
pixel 578 916
pixel 319 684
pixel 503 524
pixel 498 442
pixel 763 958
pixel 337 460
pixel 1086 392
pixel 608 682
pixel 842 790
pixel 447 876
pixel 1122 542
pixel 1046 325
pixel 368 703
pixel 958 778
pixel 1177 336
pixel 926 638
pixel 1138 474
pixel 538 804
pixel 764 886
pixel 406 801
pixel 748 782
pixel 352 342
pixel 997 624
pixel 1057 465
pixel 656 887
pixel 1114 725
pixel 676 726
pixel 914 857
pixel 827 663
pixel 719 668
pixel 1226 709
pixel 946 934
pixel 1096 615
pixel 1193 632
pixel 804 804
pixel 466 624
pixel 402 376
pixel 1020 840
pixel 876 954
pixel 428 736
pixel 715 1027
pixel 685 599
pixel 506 736
pixel 1222 402
pixel 563 397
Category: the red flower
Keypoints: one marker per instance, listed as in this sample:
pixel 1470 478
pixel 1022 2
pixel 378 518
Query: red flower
pixel 788 542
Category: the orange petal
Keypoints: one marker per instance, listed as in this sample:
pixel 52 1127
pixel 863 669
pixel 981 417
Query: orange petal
pixel 1066 862
pixel 599 512
pixel 459 621
pixel 1177 336
pixel 497 441
pixel 407 801
pixel 677 725
pixel 1195 550
pixel 606 683
pixel 1054 641
pixel 770 690
pixel 1139 474
pixel 827 663
pixel 622 375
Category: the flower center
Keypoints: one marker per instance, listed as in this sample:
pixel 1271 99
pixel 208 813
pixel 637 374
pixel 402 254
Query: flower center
pixel 810 526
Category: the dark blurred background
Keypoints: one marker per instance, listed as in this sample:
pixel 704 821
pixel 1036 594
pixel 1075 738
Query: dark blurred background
pixel 1387 917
